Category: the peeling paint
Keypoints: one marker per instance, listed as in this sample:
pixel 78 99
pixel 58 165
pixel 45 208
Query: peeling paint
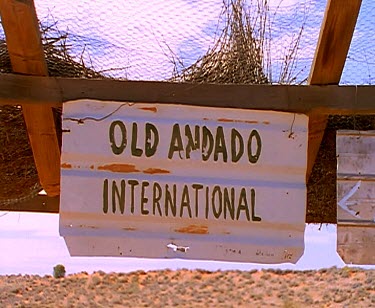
pixel 226 120
pixel 123 168
pixel 176 248
pixel 89 227
pixel 66 166
pixel 152 109
pixel 156 171
pixel 193 229
pixel 237 121
pixel 343 202
pixel 129 229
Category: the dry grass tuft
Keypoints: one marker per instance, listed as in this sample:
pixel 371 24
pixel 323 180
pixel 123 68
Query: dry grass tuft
pixel 238 54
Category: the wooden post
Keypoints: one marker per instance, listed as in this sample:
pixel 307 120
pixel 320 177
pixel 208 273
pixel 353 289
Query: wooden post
pixel 329 60
pixel 27 57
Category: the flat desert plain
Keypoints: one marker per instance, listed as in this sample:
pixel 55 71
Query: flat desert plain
pixel 333 287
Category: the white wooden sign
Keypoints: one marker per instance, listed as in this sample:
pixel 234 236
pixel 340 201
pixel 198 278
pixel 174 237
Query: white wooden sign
pixel 172 181
pixel 356 196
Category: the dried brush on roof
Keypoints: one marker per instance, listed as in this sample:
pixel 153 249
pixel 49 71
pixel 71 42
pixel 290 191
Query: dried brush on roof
pixel 238 54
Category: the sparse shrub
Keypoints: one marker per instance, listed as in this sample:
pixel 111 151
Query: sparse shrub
pixel 288 303
pixel 322 270
pixel 294 283
pixel 274 271
pixel 95 280
pixel 339 298
pixel 59 271
pixel 203 271
pixel 100 273
pixel 265 276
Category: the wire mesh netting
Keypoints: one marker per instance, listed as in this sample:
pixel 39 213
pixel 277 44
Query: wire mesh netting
pixel 149 40
pixel 360 63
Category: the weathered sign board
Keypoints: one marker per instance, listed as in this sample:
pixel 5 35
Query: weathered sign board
pixel 173 181
pixel 356 196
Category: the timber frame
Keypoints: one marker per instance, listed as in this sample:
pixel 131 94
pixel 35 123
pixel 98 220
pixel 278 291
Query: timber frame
pixel 26 54
pixel 333 45
pixel 318 100
pixel 37 94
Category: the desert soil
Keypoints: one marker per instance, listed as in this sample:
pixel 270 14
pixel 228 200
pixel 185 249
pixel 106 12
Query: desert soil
pixel 346 287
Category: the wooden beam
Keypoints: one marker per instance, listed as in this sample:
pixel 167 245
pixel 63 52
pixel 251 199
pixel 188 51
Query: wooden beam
pixel 25 49
pixel 40 204
pixel 52 91
pixel 333 45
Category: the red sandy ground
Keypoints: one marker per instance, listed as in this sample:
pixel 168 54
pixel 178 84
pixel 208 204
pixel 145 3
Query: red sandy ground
pixel 347 287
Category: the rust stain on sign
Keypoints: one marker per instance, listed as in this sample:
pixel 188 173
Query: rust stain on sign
pixel 156 171
pixel 89 227
pixel 129 229
pixel 152 109
pixel 193 229
pixel 66 166
pixel 237 121
pixel 125 168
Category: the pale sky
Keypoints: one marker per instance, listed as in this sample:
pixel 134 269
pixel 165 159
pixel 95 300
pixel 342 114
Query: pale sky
pixel 30 243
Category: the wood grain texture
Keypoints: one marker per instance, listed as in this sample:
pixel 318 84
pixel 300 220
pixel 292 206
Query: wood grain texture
pixel 25 49
pixel 52 91
pixel 356 244
pixel 39 204
pixel 333 45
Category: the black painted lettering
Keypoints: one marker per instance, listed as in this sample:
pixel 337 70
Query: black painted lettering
pixel 170 201
pixel 197 187
pixel 117 149
pixel 229 203
pixel 176 142
pixel 120 196
pixel 237 147
pixel 132 184
pixel 217 196
pixel 135 151
pixel 151 134
pixel 207 191
pixel 253 216
pixel 207 143
pixel 105 196
pixel 243 205
pixel 253 158
pixel 156 196
pixel 185 201
pixel 220 146
pixel 192 143
pixel 144 199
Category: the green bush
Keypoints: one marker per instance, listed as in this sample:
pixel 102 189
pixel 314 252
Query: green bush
pixel 59 271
